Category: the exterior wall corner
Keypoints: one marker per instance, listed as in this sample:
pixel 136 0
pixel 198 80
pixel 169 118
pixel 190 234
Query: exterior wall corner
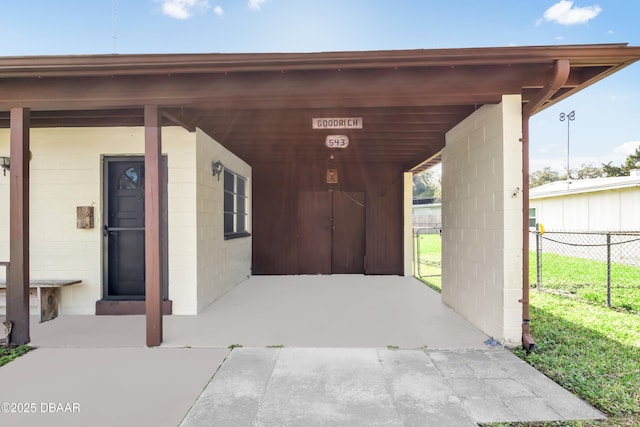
pixel 482 218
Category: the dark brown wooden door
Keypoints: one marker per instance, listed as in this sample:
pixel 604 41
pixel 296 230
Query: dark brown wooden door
pixel 332 232
pixel 124 229
pixel 314 252
pixel 348 233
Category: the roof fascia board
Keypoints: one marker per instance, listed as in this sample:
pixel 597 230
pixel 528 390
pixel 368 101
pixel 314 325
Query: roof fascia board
pixel 41 66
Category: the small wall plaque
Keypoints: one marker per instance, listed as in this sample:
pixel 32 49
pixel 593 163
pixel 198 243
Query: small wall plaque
pixel 332 176
pixel 84 216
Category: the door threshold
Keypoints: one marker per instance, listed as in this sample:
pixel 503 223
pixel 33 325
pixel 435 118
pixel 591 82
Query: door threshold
pixel 128 307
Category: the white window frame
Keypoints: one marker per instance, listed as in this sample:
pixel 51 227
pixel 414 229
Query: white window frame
pixel 534 217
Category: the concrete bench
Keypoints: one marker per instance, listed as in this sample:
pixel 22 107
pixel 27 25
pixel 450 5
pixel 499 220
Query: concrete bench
pixel 43 294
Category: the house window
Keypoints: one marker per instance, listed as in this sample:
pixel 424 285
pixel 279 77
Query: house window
pixel 532 217
pixel 235 206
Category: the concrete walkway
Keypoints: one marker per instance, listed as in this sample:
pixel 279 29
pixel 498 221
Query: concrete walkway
pixel 104 386
pixel 380 387
pixel 335 368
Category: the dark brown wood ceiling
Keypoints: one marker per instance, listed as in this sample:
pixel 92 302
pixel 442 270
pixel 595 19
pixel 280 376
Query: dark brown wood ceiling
pixel 261 106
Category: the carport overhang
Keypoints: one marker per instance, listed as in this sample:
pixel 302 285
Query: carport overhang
pixel 260 107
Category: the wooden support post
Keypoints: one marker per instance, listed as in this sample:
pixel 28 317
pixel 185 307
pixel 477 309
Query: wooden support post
pixel 18 278
pixel 153 224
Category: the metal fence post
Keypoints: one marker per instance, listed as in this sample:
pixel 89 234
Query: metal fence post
pixel 538 260
pixel 419 261
pixel 608 269
pixel 416 266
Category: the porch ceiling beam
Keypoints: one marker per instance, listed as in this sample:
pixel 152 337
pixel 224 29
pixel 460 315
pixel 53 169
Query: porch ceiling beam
pixel 362 146
pixel 361 100
pixel 352 89
pixel 430 159
pixel 388 156
pixel 369 118
pixel 382 154
pixel 392 134
pixel 153 224
pixel 180 118
pixel 377 112
pixel 18 279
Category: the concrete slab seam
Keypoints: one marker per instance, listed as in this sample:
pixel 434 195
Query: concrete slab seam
pixel 266 386
pixel 388 385
pixel 184 417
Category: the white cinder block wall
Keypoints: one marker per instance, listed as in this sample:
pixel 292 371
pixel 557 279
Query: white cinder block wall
pixel 482 219
pixel 221 263
pixel 66 172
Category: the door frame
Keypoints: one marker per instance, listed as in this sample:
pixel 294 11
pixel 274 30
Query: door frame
pixel 106 160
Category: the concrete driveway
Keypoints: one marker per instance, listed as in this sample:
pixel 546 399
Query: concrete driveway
pixel 318 350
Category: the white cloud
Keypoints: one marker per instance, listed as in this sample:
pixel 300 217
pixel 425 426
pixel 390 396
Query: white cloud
pixel 627 148
pixel 218 11
pixel 183 9
pixel 256 4
pixel 565 13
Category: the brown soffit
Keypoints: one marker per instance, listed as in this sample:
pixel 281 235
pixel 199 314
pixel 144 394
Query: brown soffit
pixel 260 105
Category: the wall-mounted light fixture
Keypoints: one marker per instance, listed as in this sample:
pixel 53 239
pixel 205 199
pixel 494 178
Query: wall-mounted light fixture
pixel 4 164
pixel 218 167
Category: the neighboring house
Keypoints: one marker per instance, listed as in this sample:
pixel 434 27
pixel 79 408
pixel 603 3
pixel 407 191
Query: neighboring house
pixel 272 164
pixel 427 214
pixel 597 204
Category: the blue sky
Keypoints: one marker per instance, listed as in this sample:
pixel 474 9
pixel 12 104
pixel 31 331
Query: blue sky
pixel 607 124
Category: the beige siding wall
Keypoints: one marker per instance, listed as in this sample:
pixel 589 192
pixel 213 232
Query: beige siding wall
pixel 482 219
pixel 221 263
pixel 66 171
pixel 612 210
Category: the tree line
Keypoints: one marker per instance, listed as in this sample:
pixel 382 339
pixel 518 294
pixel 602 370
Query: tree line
pixel 427 185
pixel 584 171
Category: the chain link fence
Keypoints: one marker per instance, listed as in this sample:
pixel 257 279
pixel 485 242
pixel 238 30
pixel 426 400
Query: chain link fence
pixel 599 267
pixel 427 253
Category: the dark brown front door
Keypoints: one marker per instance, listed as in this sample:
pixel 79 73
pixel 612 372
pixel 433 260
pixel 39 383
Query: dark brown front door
pixel 348 232
pixel 315 232
pixel 124 229
pixel 332 232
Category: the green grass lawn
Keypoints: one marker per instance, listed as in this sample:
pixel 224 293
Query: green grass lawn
pixel 11 353
pixel 430 252
pixel 586 279
pixel 590 350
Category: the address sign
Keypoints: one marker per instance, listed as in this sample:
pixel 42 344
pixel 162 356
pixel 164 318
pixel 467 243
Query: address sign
pixel 337 123
pixel 337 141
